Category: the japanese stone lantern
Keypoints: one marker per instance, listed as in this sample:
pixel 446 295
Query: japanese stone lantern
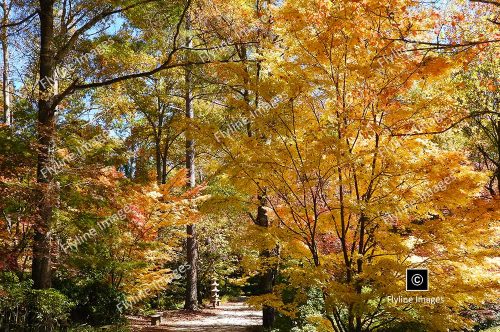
pixel 215 301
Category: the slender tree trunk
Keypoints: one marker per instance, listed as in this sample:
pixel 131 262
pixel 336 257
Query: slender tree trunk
pixel 41 267
pixel 498 151
pixel 158 157
pixel 164 169
pixel 266 282
pixel 158 138
pixel 361 247
pixel 498 181
pixel 6 86
pixel 192 243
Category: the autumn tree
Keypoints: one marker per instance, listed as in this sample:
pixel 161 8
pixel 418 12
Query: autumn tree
pixel 244 28
pixel 357 190
pixel 481 97
pixel 66 44
pixel 6 83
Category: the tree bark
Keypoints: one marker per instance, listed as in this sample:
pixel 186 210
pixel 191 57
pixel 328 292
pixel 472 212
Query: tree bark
pixel 6 86
pixel 159 161
pixel 41 267
pixel 164 169
pixel 266 281
pixel 192 243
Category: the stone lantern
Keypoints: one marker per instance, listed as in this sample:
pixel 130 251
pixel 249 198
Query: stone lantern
pixel 214 298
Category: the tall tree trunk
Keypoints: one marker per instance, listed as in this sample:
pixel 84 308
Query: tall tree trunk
pixel 164 169
pixel 41 267
pixel 498 153
pixel 266 281
pixel 192 243
pixel 158 159
pixel 361 252
pixel 158 138
pixel 6 86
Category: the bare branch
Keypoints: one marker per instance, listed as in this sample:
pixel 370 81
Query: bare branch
pixel 438 45
pixel 27 18
pixel 164 66
pixel 90 24
pixel 471 115
pixel 167 64
pixel 487 2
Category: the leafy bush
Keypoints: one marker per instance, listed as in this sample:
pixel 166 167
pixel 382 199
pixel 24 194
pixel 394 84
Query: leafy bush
pixel 485 316
pixel 24 308
pixel 312 307
pixel 407 327
pixel 13 300
pixel 48 309
pixel 95 301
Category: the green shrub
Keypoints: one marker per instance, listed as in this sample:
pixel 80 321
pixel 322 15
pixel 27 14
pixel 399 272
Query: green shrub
pixel 13 300
pixel 95 301
pixel 48 309
pixel 23 308
pixel 312 307
pixel 407 327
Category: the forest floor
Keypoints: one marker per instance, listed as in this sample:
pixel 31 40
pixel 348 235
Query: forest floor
pixel 229 317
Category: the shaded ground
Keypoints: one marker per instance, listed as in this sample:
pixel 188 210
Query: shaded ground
pixel 229 317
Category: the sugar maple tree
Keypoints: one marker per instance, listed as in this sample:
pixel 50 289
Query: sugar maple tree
pixel 163 210
pixel 356 190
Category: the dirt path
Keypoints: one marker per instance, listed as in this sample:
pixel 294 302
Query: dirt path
pixel 229 317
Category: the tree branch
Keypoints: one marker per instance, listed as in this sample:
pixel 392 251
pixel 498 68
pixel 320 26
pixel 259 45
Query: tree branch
pixel 438 45
pixel 90 24
pixel 471 115
pixel 27 18
pixel 164 66
pixel 75 86
pixel 487 2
